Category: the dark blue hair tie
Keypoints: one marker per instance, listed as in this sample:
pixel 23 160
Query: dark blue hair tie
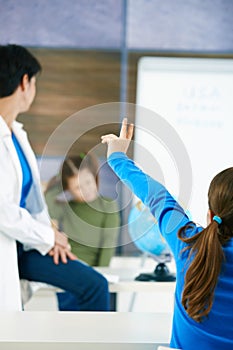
pixel 217 219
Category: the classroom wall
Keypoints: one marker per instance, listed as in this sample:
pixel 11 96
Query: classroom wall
pixel 89 49
pixel 151 24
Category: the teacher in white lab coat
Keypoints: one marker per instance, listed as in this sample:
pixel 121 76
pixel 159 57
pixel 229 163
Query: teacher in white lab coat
pixel 30 248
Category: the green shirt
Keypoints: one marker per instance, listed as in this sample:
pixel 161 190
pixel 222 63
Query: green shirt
pixel 92 227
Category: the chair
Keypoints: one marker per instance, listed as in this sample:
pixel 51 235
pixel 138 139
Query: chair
pixel 45 300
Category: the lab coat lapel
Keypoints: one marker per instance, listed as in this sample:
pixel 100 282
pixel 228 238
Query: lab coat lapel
pixel 7 140
pixel 24 143
pixel 35 201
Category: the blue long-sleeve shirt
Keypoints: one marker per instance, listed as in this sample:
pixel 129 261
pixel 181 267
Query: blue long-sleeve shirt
pixel 216 331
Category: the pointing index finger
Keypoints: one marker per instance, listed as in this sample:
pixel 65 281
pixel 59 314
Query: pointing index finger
pixel 123 132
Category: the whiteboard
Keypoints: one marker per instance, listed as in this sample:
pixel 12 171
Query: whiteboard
pixel 184 125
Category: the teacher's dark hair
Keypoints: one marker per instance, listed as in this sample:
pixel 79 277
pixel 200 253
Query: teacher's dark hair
pixel 15 62
pixel 205 248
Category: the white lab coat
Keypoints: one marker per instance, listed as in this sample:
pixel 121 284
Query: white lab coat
pixel 30 226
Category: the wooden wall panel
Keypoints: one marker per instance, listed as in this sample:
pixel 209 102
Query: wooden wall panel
pixel 71 80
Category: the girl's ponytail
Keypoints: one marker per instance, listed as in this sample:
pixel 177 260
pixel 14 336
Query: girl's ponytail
pixel 202 275
pixel 206 255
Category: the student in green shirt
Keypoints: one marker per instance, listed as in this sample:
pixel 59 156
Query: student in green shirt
pixel 91 221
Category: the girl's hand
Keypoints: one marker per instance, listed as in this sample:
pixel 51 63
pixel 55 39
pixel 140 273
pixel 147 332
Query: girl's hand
pixel 121 143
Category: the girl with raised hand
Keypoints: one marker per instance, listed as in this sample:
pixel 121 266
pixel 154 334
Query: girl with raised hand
pixel 203 316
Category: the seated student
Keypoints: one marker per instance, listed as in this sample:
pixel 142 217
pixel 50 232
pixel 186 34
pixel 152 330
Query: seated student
pixel 90 221
pixel 30 248
pixel 203 317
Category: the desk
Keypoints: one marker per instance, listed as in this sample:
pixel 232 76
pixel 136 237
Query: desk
pixel 127 283
pixel 83 330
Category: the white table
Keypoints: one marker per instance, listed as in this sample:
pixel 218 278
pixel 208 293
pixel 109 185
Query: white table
pixel 127 283
pixel 83 330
